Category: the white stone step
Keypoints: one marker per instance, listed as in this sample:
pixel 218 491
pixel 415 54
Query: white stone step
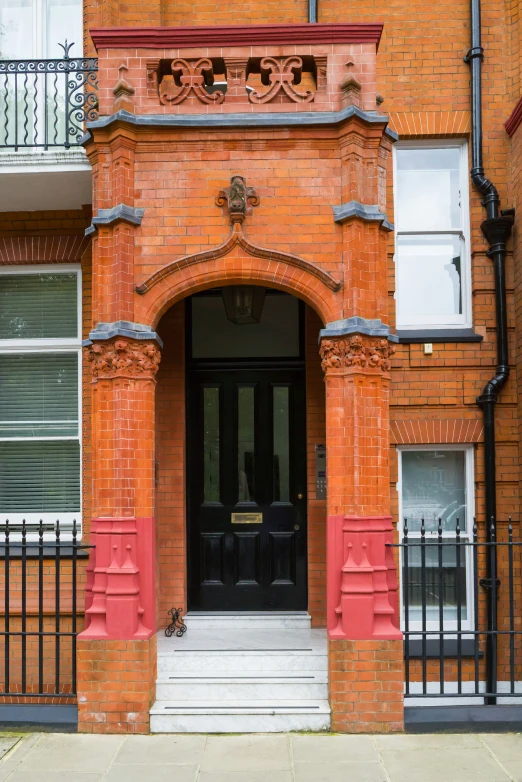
pixel 239 716
pixel 245 620
pixel 200 663
pixel 293 686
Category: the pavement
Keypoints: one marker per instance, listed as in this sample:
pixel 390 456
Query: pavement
pixel 60 757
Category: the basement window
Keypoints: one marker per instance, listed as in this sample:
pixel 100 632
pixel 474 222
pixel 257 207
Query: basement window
pixel 40 374
pixel 432 256
pixel 437 483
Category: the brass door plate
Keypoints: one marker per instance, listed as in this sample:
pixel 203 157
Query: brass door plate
pixel 247 518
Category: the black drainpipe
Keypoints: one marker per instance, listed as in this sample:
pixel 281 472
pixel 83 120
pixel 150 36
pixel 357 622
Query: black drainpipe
pixel 496 228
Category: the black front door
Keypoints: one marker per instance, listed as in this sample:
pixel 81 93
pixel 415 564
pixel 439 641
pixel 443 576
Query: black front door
pixel 246 445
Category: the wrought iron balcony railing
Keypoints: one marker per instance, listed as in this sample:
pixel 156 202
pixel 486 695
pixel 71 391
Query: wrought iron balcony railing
pixel 45 103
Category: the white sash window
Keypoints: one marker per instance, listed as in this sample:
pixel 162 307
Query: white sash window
pixel 40 384
pixel 432 257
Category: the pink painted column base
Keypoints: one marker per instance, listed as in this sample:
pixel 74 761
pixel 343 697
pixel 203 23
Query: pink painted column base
pixel 362 597
pixel 121 580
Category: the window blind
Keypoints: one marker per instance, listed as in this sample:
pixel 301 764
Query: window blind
pixel 39 395
pixel 39 477
pixel 38 306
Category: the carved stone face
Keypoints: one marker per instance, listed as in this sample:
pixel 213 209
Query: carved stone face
pixel 237 195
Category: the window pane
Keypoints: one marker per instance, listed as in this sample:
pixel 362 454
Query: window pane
pixel 39 395
pixel 433 487
pixel 16 29
pixel 214 336
pixel 64 21
pixel 281 433
pixel 429 278
pixel 211 483
pixel 245 443
pixel 450 583
pixel 428 197
pixel 39 477
pixel 38 306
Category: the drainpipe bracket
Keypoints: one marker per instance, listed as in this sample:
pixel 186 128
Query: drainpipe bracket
pixel 497 231
pixel 476 51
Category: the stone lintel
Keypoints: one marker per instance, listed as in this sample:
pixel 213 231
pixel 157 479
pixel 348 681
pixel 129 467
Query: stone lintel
pixel 356 325
pixel 353 209
pixel 122 328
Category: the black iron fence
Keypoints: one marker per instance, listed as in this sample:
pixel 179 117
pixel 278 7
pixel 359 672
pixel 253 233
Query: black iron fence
pixel 461 611
pixel 38 618
pixel 45 103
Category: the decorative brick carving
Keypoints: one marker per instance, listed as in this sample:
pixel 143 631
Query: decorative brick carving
pixel 189 77
pixel 123 92
pixel 356 351
pixel 236 68
pixel 238 198
pixel 281 74
pixel 123 357
pixel 152 67
pixel 321 64
pixel 351 87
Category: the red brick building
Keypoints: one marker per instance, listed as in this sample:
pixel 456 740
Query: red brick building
pixel 253 316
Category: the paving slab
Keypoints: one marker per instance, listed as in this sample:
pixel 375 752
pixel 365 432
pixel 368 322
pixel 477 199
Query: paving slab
pixel 246 753
pixel 318 749
pixel 340 772
pixel 401 742
pixel 21 775
pixel 137 773
pixel 7 743
pixel 505 746
pixel 245 776
pixel 161 750
pixel 72 752
pixel 447 765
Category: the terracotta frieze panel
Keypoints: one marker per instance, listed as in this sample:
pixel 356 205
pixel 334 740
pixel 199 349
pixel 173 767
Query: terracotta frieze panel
pixel 124 358
pixel 356 351
pixel 281 75
pixel 189 78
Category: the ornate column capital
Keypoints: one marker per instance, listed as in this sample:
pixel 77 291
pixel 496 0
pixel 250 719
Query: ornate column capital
pixel 355 351
pixel 136 359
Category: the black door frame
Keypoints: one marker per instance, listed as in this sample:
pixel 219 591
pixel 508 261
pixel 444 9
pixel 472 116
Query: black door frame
pixel 195 367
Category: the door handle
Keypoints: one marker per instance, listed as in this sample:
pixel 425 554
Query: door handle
pixel 300 496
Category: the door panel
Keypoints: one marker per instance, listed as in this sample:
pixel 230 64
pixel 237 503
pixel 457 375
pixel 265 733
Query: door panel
pixel 246 446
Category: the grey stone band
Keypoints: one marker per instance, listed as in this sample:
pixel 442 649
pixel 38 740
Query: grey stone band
pixel 254 120
pixel 129 214
pixel 121 328
pixel 356 325
pixel 356 209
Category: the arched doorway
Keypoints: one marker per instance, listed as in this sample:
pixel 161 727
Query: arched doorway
pixel 246 451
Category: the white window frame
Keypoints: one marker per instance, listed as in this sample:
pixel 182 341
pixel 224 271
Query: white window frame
pixel 48 345
pixel 464 233
pixel 466 534
pixel 39 41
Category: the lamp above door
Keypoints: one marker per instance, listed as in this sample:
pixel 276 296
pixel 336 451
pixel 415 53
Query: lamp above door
pixel 243 303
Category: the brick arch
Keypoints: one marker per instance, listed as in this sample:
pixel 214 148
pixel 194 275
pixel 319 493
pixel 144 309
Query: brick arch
pixel 237 268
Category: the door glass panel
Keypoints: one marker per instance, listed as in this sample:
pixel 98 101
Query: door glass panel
pixel 245 443
pixel 281 439
pixel 211 488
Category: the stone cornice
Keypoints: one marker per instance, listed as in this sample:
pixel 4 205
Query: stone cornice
pixel 355 325
pixel 253 120
pixel 234 35
pixel 129 214
pixel 122 328
pixel 353 209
